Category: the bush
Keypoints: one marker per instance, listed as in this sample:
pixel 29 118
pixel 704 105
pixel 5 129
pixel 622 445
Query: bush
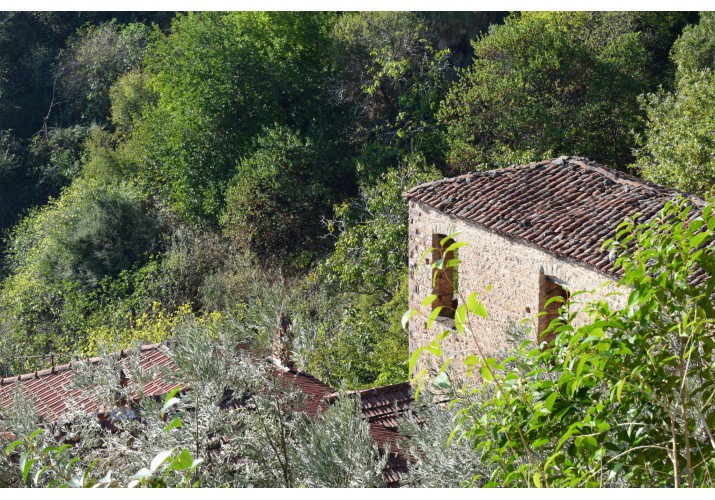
pixel 677 147
pixel 105 230
pixel 244 423
pixel 59 258
pixel 220 78
pixel 278 198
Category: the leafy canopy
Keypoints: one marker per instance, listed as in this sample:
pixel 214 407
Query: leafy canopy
pixel 539 86
pixel 220 78
pixel 677 147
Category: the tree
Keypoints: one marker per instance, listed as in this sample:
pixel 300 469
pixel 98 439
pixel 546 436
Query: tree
pixel 220 79
pixel 240 419
pixel 348 329
pixel 695 49
pixel 539 86
pixel 279 196
pixel 440 456
pixel 392 79
pixel 61 254
pixel 95 57
pixel 336 450
pixel 677 147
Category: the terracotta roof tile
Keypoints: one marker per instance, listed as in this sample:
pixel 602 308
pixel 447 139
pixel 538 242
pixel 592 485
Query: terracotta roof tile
pixel 49 390
pixel 568 206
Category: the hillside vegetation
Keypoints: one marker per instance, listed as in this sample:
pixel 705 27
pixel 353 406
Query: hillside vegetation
pixel 224 170
pixel 158 166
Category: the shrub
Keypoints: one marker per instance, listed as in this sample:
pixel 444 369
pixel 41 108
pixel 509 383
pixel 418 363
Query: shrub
pixel 243 423
pixel 677 147
pixel 59 256
pixel 279 196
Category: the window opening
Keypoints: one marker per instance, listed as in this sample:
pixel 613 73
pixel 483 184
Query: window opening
pixel 549 288
pixel 445 281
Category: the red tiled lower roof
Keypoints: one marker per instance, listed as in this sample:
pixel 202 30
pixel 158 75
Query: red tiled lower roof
pixel 568 206
pixel 384 405
pixel 49 390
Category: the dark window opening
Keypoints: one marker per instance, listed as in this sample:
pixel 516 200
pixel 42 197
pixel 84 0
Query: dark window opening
pixel 445 280
pixel 549 288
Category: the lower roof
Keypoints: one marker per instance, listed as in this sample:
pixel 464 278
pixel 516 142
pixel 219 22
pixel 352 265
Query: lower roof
pixel 51 394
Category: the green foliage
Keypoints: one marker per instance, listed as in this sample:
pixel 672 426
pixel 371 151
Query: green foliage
pixel 456 30
pixel 336 450
pixel 351 341
pixel 677 147
pixel 30 46
pixel 131 97
pixel 58 257
pixel 537 88
pixel 13 179
pixel 626 398
pixel 371 247
pixel 695 49
pixel 220 78
pixel 348 332
pixel 55 159
pixel 104 230
pixel 392 79
pixel 278 197
pixel 94 59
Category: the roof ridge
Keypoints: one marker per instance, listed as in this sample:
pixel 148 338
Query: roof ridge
pixel 617 176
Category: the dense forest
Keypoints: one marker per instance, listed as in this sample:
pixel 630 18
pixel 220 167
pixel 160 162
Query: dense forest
pixel 226 169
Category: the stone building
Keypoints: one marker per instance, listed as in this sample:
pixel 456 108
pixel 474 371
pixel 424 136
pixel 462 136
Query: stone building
pixel 532 232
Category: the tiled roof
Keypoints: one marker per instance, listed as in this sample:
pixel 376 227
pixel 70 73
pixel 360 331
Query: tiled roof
pixel 568 206
pixel 384 405
pixel 49 390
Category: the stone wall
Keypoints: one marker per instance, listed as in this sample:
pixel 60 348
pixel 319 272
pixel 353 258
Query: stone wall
pixel 514 269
